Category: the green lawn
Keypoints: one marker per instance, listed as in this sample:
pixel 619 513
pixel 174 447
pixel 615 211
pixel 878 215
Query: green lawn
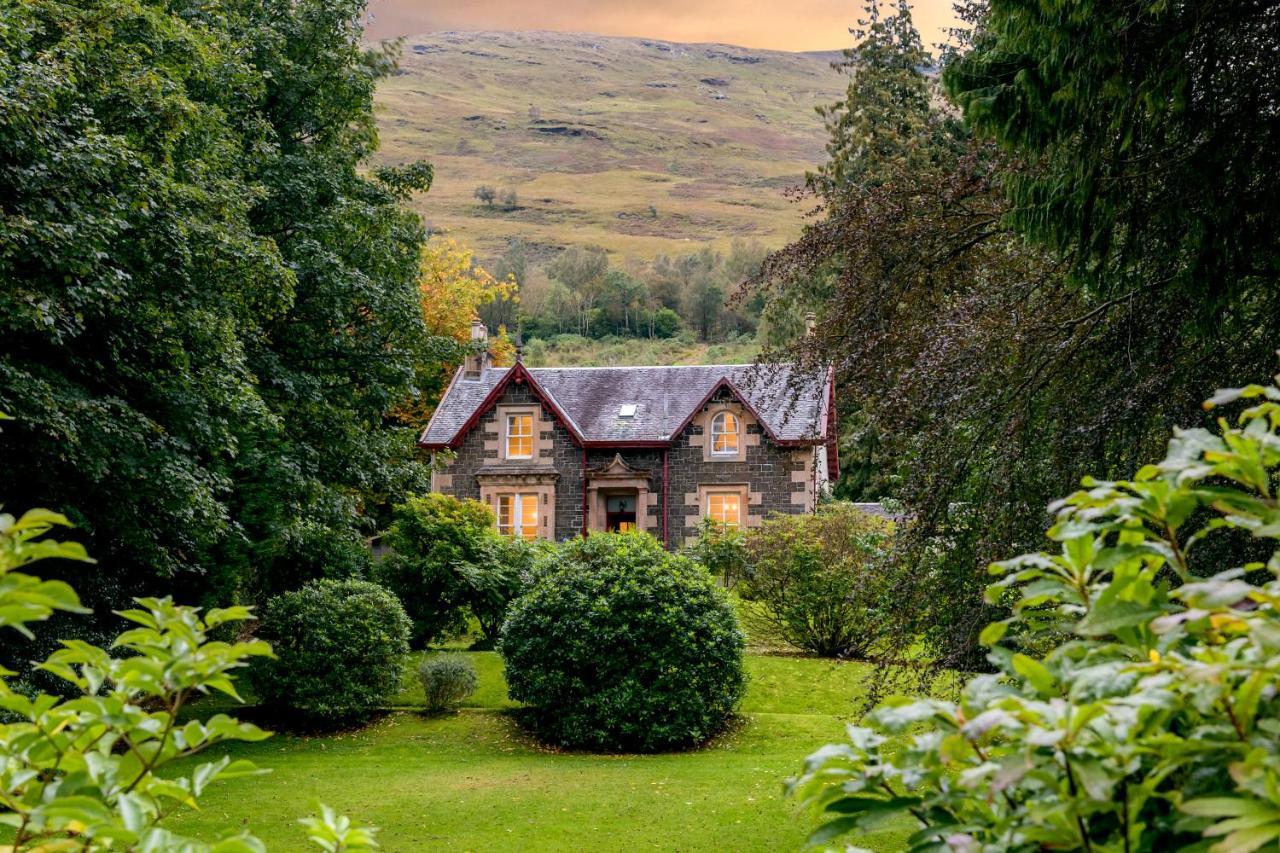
pixel 473 781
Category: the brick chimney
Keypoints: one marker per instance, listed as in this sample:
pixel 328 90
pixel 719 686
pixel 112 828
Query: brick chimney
pixel 478 359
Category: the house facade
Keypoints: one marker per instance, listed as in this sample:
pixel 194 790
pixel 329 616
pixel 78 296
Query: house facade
pixel 558 452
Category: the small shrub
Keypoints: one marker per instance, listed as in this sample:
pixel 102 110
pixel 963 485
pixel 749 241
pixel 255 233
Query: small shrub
pixel 442 558
pixel 822 581
pixel 619 645
pixel 1151 721
pixel 722 549
pixel 447 680
pixel 339 650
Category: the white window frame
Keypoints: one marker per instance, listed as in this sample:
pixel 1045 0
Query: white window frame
pixel 518 525
pixel 515 418
pixel 717 419
pixel 712 497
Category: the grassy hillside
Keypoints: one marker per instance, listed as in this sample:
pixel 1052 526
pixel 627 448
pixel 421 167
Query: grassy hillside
pixel 640 146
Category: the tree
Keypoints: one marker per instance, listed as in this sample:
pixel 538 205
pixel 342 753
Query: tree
pixel 1154 162
pixel 485 194
pixel 212 306
pixel 508 198
pixel 583 272
pixel 978 374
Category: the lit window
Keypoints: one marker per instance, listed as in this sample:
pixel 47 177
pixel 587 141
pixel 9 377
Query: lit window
pixel 724 434
pixel 518 516
pixel 725 507
pixel 520 436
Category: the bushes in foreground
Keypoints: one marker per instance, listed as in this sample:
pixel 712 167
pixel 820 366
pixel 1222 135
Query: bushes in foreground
pixel 339 650
pixel 619 645
pixel 1151 722
pixel 822 581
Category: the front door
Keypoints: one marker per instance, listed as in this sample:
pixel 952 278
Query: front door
pixel 620 513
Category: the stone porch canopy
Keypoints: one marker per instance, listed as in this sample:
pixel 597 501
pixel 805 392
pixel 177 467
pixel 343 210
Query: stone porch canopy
pixel 606 407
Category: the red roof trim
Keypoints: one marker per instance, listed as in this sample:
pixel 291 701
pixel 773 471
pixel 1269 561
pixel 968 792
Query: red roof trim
pixel 725 382
pixel 518 373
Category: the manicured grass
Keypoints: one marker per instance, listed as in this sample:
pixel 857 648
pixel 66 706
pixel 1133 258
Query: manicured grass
pixel 473 781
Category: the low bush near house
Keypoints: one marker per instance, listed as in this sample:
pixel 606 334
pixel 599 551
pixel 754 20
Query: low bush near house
pixel 85 773
pixel 1151 722
pixel 339 650
pixel 723 550
pixel 448 562
pixel 447 681
pixel 823 581
pixel 619 645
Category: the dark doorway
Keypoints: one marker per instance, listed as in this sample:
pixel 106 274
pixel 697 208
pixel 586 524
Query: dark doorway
pixel 620 513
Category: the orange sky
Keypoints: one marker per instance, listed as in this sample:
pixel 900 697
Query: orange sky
pixel 786 25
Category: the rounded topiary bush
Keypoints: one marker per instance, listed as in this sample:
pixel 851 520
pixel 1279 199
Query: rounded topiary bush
pixel 339 646
pixel 617 644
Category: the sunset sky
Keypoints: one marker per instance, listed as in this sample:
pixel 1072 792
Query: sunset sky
pixel 775 24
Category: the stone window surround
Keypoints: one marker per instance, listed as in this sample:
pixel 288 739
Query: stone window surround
pixel 540 426
pixel 746 438
pixel 543 486
pixel 749 500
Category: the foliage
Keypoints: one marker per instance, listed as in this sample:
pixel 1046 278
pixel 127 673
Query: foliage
pixel 454 290
pixel 1153 160
pixel 86 772
pixel 209 303
pixel 977 378
pixel 824 581
pixel 339 647
pixel 619 645
pixel 722 549
pixel 448 561
pixel 447 680
pixel 1150 722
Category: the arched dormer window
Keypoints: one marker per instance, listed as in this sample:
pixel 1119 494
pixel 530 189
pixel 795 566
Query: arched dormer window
pixel 726 434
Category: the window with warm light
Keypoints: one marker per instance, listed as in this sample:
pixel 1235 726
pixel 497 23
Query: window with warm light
pixel 518 515
pixel 725 508
pixel 725 434
pixel 520 436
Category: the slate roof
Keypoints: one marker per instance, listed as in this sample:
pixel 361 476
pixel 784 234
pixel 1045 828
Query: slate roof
pixel 791 403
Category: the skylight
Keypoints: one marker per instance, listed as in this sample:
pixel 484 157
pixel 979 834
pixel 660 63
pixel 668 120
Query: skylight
pixel 627 410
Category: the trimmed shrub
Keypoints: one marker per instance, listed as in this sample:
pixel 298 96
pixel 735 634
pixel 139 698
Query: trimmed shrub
pixel 822 582
pixel 618 645
pixel 447 680
pixel 339 650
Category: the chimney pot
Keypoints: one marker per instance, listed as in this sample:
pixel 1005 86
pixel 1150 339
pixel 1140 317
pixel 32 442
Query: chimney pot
pixel 810 323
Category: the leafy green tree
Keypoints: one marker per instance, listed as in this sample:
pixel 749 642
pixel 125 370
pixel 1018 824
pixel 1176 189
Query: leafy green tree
pixel 1135 703
pixel 98 771
pixel 448 562
pixel 210 303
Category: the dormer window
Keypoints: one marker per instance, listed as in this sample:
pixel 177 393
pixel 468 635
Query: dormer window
pixel 520 436
pixel 726 434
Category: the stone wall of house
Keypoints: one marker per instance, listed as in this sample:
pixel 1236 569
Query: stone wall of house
pixel 777 479
pixel 558 449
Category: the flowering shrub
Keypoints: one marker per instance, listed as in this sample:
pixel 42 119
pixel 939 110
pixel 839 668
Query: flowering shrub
pixel 1151 722
pixel 619 645
pixel 88 773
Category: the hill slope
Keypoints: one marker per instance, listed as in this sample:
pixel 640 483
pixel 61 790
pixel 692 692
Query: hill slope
pixel 640 146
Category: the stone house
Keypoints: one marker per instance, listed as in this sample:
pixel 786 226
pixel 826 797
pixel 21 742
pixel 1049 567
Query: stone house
pixel 558 452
